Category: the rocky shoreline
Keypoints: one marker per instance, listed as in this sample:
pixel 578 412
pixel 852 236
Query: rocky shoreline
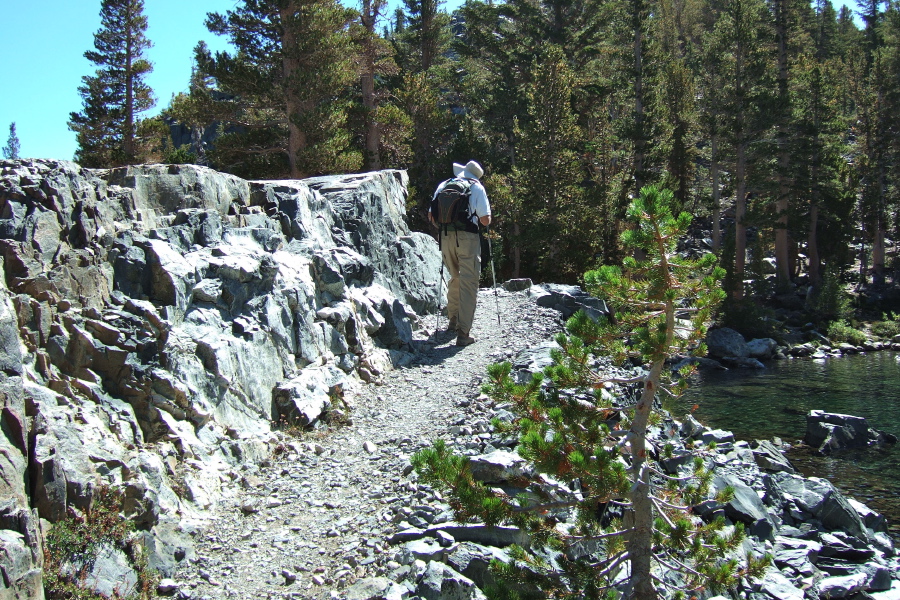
pixel 824 544
pixel 728 348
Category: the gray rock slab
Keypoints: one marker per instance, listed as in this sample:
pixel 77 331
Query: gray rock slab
pixel 424 549
pixel 842 587
pixel 375 588
pixel 110 574
pixel 569 299
pixel 440 582
pixel 780 587
pixel 746 506
pixel 769 458
pixel 726 342
pixel 21 574
pixel 499 466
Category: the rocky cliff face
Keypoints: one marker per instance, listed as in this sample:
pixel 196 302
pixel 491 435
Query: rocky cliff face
pixel 155 321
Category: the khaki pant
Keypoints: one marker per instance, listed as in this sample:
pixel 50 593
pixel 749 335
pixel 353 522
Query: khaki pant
pixel 462 257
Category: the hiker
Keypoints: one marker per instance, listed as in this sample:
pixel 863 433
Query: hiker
pixel 461 247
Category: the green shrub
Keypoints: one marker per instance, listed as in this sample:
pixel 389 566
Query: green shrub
pixel 182 155
pixel 831 300
pixel 573 432
pixel 886 329
pixel 841 331
pixel 76 541
pixel 749 318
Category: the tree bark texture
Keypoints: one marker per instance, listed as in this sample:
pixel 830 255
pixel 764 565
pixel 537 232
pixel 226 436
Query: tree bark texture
pixel 293 105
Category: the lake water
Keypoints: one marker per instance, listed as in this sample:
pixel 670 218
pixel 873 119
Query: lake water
pixel 762 404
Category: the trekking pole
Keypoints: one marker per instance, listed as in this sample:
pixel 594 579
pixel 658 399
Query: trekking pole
pixel 437 315
pixel 493 276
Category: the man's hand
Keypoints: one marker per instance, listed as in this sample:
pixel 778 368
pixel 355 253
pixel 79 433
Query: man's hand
pixel 485 220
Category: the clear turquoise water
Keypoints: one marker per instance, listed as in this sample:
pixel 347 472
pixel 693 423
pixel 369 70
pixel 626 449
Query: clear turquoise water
pixel 762 404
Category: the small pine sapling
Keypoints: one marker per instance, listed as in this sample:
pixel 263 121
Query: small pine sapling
pixel 623 521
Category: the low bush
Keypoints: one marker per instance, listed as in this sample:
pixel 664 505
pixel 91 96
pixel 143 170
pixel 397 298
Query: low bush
pixel 74 543
pixel 750 319
pixel 831 301
pixel 886 329
pixel 842 331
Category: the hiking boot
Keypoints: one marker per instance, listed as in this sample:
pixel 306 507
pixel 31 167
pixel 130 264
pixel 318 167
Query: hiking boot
pixel 452 325
pixel 464 340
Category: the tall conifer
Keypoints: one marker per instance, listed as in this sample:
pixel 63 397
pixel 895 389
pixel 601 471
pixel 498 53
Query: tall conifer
pixel 11 149
pixel 547 173
pixel 283 90
pixel 116 95
pixel 742 37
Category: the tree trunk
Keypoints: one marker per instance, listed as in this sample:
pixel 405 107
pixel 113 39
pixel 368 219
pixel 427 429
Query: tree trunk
pixel 516 248
pixel 782 259
pixel 878 254
pixel 878 243
pixel 373 133
pixel 516 252
pixel 128 133
pixel 717 195
pixel 367 82
pixel 429 36
pixel 639 142
pixel 863 262
pixel 782 241
pixel 640 540
pixel 293 104
pixel 740 229
pixel 812 248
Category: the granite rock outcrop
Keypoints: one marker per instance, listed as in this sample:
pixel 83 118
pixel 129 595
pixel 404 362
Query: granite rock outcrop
pixel 157 321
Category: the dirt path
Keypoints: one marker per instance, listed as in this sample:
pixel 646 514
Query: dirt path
pixel 317 518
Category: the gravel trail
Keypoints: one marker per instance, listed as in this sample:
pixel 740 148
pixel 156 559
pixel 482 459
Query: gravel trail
pixel 317 516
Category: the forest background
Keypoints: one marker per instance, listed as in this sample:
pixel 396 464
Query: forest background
pixel 776 117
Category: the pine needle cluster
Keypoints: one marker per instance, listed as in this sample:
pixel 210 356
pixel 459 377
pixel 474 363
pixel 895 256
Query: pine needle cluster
pixel 605 521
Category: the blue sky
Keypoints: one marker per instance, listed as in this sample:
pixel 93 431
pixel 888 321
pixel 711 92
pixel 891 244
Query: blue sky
pixel 42 62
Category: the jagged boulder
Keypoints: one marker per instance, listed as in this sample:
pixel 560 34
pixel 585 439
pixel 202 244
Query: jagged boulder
pixel 828 432
pixel 21 547
pixel 724 342
pixel 22 577
pixel 303 399
pixel 440 582
pixel 817 498
pixel 746 506
pixel 569 299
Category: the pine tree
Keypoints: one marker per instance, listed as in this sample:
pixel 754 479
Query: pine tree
pixel 792 22
pixel 547 172
pixel 709 65
pixel 675 102
pixel 425 35
pixel 820 171
pixel 11 149
pixel 374 61
pixel 421 51
pixel 283 92
pixel 115 96
pixel 572 432
pixel 742 38
pixel 497 48
pixel 875 86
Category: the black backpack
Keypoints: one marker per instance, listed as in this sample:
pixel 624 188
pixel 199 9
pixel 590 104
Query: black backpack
pixel 450 208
